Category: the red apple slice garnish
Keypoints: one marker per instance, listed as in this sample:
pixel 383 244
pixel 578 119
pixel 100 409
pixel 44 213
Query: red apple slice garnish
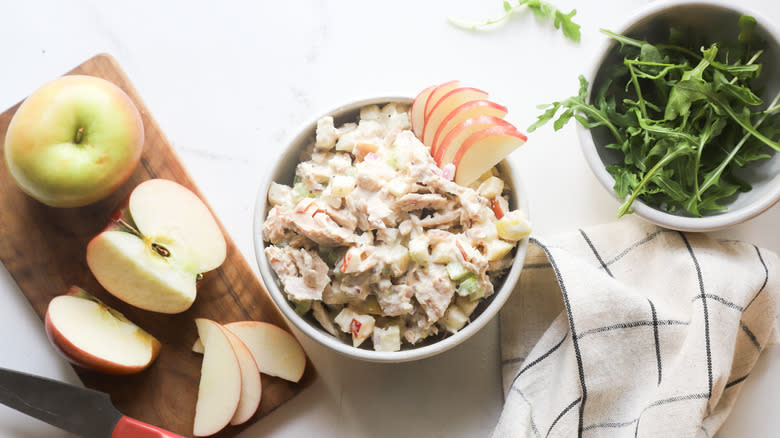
pixel 445 106
pixel 417 110
pixel 251 385
pixel 450 145
pixel 155 248
pixel 276 351
pixel 93 335
pixel 219 390
pixel 437 94
pixel 483 150
pixel 466 111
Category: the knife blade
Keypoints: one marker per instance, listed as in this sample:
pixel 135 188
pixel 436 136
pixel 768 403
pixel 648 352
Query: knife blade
pixel 81 411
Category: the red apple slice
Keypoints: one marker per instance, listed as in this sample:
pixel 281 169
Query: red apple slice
pixel 91 334
pixel 276 351
pixel 437 94
pixel 156 247
pixel 483 150
pixel 445 106
pixel 417 110
pixel 219 391
pixel 466 111
pixel 251 385
pixel 450 145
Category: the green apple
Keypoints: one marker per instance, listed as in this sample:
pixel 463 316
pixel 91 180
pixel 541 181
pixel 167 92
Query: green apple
pixel 74 141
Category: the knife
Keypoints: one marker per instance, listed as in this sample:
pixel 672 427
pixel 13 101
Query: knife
pixel 81 411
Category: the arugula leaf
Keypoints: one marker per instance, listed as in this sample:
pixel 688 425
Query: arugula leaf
pixel 684 119
pixel 541 9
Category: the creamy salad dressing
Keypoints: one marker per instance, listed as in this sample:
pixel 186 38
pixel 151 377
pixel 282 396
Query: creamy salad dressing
pixel 379 243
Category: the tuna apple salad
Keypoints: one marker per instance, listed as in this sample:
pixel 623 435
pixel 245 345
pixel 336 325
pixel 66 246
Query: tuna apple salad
pixel 378 243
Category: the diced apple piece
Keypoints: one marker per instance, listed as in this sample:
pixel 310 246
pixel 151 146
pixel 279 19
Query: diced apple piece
pixel 154 249
pixel 93 335
pixel 219 391
pixel 417 111
pixel 468 110
pixel 251 385
pixel 454 319
pixel 491 187
pixel 483 150
pixel 513 226
pixel 445 106
pixel 276 351
pixel 449 146
pixel 496 249
pixel 359 325
pixel 437 94
pixel 387 338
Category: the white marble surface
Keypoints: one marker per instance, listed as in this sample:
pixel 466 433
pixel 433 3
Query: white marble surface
pixel 230 81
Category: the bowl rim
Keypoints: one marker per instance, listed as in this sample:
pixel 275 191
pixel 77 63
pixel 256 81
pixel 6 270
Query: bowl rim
pixel 682 223
pixel 323 338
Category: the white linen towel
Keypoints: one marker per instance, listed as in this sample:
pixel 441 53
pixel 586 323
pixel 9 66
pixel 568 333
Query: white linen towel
pixel 630 330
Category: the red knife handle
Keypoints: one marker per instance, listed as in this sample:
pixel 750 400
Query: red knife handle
pixel 131 428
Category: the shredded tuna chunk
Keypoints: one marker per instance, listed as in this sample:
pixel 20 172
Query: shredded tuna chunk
pixel 417 201
pixel 303 273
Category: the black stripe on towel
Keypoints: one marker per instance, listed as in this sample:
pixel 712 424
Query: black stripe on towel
pixel 577 353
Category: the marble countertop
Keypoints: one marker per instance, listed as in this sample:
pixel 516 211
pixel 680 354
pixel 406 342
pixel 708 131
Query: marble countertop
pixel 230 82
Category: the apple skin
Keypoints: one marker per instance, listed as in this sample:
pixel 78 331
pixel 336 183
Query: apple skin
pixel 466 111
pixel 483 150
pixel 78 356
pixel 43 156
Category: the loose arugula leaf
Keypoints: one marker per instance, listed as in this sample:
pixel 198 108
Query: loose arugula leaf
pixel 541 9
pixel 684 120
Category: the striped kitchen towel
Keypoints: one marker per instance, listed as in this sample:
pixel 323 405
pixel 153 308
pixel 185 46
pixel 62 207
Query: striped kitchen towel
pixel 630 330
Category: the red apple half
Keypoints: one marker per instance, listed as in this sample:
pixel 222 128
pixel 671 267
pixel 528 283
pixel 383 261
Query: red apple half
pixel 445 106
pixel 156 247
pixel 93 335
pixel 483 150
pixel 474 108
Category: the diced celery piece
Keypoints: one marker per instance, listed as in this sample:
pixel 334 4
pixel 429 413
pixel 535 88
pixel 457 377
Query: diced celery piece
pixel 468 286
pixel 300 191
pixel 457 271
pixel 302 307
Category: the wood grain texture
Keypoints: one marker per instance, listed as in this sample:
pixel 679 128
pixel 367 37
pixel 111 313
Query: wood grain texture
pixel 44 249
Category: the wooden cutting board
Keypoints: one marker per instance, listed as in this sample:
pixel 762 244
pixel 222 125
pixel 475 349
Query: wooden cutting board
pixel 44 249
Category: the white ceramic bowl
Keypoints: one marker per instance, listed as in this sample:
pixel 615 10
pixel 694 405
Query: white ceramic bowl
pixel 718 21
pixel 284 171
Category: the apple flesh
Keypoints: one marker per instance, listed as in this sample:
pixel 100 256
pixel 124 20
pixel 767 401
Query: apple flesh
pixel 93 335
pixel 445 106
pixel 156 247
pixel 251 385
pixel 417 110
pixel 437 94
pixel 276 352
pixel 446 153
pixel 462 113
pixel 483 150
pixel 219 390
pixel 74 141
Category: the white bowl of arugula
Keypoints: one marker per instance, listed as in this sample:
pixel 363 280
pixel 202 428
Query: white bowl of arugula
pixel 679 117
